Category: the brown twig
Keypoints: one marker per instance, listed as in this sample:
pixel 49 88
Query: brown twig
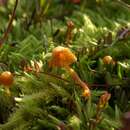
pixel 5 35
pixel 67 81
pixel 69 35
pixel 31 19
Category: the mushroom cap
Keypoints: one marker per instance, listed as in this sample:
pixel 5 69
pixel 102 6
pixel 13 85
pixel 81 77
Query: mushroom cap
pixel 107 59
pixel 62 56
pixel 6 78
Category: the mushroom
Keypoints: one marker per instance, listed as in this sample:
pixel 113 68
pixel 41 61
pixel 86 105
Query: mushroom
pixel 63 57
pixel 7 79
pixel 108 60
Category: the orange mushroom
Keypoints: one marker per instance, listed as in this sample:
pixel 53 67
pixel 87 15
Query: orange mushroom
pixel 6 79
pixel 107 59
pixel 63 57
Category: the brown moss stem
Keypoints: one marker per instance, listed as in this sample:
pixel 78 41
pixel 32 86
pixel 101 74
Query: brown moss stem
pixel 5 35
pixel 78 81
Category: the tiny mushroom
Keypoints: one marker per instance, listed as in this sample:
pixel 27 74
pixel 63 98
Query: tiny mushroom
pixel 7 79
pixel 107 59
pixel 63 57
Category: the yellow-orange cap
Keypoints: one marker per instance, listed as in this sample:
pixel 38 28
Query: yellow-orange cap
pixel 62 56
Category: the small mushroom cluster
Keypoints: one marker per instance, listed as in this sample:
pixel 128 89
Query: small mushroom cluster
pixel 63 57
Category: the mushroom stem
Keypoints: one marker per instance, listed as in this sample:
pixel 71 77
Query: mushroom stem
pixel 7 90
pixel 77 80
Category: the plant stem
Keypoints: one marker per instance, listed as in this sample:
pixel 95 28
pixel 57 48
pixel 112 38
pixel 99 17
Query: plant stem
pixel 69 35
pixel 5 35
pixel 31 19
pixel 77 80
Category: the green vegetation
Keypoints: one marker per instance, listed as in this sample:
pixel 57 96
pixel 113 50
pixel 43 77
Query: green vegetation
pixel 45 96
